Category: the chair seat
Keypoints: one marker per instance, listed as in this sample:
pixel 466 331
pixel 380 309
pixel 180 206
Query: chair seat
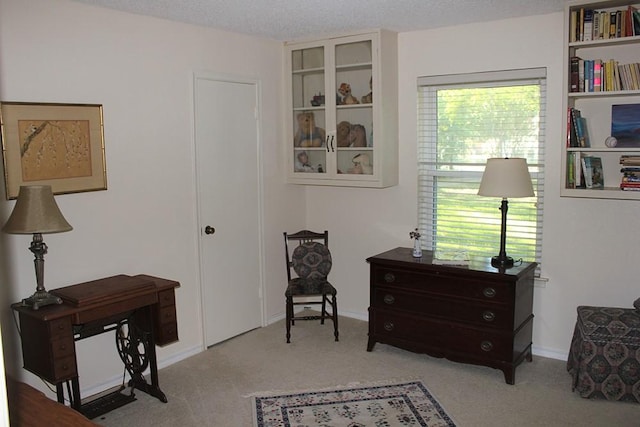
pixel 299 286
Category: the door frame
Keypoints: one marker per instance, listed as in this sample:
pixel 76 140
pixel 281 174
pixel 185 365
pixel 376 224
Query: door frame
pixel 199 231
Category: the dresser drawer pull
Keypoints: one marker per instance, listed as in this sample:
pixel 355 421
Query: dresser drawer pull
pixel 389 278
pixel 389 299
pixel 388 326
pixel 489 292
pixel 488 316
pixel 486 345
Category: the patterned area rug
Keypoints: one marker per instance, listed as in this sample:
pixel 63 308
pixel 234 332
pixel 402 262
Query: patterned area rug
pixel 404 404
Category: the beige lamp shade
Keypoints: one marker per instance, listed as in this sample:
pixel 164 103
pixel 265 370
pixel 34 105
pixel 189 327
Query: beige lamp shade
pixel 506 178
pixel 36 211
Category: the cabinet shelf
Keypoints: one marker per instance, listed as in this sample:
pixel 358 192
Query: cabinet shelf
pixel 620 151
pixel 304 71
pixel 603 94
pixel 605 42
pixel 353 67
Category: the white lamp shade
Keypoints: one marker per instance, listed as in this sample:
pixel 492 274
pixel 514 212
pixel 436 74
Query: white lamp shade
pixel 36 211
pixel 506 178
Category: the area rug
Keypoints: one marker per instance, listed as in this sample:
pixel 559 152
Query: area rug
pixel 404 404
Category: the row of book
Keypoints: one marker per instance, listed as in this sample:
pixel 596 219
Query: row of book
pixel 598 75
pixel 630 173
pixel 577 130
pixel 589 24
pixel 584 171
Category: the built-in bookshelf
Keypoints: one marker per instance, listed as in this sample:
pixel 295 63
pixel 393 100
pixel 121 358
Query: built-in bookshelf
pixel 602 102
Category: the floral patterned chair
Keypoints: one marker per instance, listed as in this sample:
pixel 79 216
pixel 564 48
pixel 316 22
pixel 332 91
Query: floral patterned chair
pixel 604 358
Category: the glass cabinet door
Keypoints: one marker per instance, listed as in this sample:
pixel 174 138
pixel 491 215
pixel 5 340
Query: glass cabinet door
pixel 354 108
pixel 309 111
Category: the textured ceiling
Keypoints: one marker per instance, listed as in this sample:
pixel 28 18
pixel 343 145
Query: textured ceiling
pixel 295 19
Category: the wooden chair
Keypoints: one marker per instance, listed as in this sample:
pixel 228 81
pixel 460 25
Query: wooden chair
pixel 311 262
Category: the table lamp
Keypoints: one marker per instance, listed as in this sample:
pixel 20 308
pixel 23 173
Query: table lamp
pixel 505 178
pixel 36 212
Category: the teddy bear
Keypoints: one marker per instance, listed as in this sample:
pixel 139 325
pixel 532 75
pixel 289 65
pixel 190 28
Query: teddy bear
pixel 347 97
pixel 308 134
pixel 357 136
pixel 343 134
pixel 361 165
pixel 368 98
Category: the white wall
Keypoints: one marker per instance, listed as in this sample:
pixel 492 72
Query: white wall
pixel 140 70
pixel 589 245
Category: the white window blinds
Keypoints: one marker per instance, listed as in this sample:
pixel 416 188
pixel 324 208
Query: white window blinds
pixel 463 120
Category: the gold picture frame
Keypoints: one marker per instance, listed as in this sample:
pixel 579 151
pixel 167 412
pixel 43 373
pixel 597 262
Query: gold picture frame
pixel 61 145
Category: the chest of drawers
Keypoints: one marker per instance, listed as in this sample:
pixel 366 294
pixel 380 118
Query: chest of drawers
pixel 476 314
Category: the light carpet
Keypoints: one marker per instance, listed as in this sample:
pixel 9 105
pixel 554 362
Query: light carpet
pixel 404 404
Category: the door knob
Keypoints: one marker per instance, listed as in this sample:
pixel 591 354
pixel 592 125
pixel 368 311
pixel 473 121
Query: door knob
pixel 209 230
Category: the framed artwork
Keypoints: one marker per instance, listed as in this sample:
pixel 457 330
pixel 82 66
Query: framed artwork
pixel 625 124
pixel 61 145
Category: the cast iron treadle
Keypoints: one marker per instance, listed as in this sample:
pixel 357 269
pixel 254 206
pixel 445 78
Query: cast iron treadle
pixel 106 403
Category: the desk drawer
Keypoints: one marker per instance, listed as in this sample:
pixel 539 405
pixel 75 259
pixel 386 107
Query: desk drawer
pixel 167 334
pixel 478 313
pixel 444 283
pixel 166 298
pixel 64 368
pixel 427 334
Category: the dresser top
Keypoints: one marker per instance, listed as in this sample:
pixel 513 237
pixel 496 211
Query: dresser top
pixel 403 257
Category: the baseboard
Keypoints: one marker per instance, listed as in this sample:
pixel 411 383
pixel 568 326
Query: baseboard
pixel 549 353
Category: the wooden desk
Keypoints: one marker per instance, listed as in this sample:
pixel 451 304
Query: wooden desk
pixel 476 314
pixel 141 309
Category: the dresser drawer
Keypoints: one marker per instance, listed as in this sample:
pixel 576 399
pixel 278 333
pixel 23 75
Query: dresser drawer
pixel 477 313
pixel 443 283
pixel 427 334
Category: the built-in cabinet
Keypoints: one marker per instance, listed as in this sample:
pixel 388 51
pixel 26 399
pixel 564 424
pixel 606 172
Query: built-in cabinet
pixel 342 110
pixel 596 104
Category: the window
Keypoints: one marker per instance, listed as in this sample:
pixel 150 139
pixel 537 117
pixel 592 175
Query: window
pixel 463 120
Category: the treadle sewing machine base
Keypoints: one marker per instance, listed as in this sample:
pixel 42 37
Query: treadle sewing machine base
pixel 141 311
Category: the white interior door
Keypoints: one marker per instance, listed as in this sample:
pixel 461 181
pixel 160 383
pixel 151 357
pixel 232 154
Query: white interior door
pixel 228 174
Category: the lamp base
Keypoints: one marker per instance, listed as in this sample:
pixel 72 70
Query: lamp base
pixel 502 261
pixel 40 299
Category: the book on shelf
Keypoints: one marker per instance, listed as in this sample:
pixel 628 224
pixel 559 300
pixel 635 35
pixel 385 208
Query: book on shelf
pixel 451 257
pixel 593 173
pixel 595 24
pixel 587 25
pixel 574 170
pixel 630 160
pixel 578 131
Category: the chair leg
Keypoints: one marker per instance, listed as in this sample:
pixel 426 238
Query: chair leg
pixel 323 311
pixel 289 315
pixel 334 305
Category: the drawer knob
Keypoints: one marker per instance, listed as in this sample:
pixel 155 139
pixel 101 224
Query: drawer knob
pixel 486 345
pixel 488 316
pixel 389 299
pixel 389 278
pixel 489 292
pixel 388 326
